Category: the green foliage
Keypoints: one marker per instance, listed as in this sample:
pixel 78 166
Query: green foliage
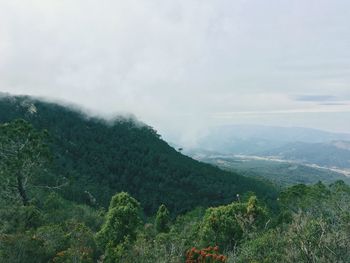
pixel 265 248
pixel 125 155
pixel 21 248
pixel 221 226
pixel 225 226
pixel 67 242
pixel 49 223
pixel 81 245
pixel 150 246
pixel 162 219
pixel 120 227
pixel 317 232
pixel 58 210
pixel 303 197
pixel 22 153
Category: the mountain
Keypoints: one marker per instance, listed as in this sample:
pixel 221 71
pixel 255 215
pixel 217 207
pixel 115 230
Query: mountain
pixel 261 151
pixel 40 222
pixel 283 173
pixel 253 139
pixel 100 158
pixel 331 154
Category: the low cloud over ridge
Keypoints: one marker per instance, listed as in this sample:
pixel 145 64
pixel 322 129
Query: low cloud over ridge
pixel 178 64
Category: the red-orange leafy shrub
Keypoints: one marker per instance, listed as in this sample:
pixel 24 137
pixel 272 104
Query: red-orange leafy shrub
pixel 205 255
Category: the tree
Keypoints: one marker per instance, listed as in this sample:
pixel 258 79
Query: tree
pixel 162 219
pixel 221 227
pixel 22 153
pixel 120 227
pixel 227 225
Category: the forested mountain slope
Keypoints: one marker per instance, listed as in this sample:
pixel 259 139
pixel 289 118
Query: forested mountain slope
pixel 100 158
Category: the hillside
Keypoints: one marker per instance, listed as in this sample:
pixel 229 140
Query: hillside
pixel 101 158
pixel 47 218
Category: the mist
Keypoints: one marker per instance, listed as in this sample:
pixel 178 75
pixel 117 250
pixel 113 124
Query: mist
pixel 184 66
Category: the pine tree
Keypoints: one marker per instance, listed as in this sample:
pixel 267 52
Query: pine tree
pixel 162 219
pixel 120 227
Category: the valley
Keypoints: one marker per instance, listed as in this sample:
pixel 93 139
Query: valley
pixel 280 171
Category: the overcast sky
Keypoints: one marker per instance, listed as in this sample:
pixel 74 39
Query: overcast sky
pixel 183 65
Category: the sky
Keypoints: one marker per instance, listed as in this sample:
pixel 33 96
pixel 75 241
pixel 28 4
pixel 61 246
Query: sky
pixel 182 66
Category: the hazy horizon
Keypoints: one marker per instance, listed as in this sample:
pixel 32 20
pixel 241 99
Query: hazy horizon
pixel 184 66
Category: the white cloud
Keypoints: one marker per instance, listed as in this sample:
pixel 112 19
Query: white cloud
pixel 176 64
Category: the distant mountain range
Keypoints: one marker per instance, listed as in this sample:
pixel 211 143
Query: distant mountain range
pixel 284 155
pixel 304 145
pixel 331 154
pixel 284 173
pixel 253 139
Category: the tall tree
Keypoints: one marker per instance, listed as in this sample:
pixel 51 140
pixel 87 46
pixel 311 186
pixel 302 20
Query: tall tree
pixel 22 153
pixel 120 228
pixel 162 219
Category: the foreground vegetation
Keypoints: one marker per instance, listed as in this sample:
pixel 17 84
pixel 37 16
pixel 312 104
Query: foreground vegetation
pixel 312 225
pixel 43 220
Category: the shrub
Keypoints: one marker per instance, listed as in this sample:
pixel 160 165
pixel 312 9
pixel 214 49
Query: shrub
pixel 205 255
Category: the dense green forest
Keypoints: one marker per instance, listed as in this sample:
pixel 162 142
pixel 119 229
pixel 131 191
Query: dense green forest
pixel 80 189
pixel 100 158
